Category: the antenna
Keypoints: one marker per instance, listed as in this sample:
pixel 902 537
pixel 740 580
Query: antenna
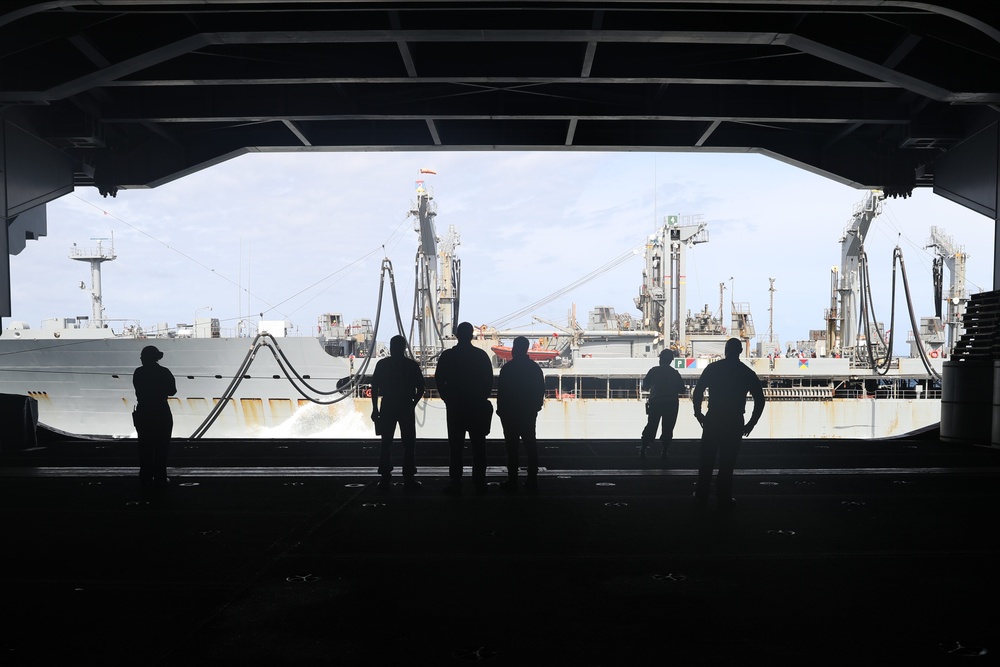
pixel 96 257
pixel 249 307
pixel 770 324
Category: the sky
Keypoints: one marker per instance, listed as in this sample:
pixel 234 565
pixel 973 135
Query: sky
pixel 295 235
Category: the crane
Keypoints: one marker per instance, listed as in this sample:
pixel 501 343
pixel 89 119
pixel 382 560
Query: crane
pixel 438 272
pixel 953 257
pixel 849 284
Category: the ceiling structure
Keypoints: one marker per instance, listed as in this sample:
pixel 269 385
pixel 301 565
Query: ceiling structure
pixel 139 92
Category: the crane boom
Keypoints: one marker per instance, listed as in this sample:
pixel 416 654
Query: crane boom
pixel 851 244
pixel 954 257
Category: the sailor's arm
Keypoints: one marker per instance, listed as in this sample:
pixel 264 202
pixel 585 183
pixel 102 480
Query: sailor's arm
pixel 680 389
pixel 374 393
pixel 421 386
pixel 757 393
pixel 539 387
pixel 699 393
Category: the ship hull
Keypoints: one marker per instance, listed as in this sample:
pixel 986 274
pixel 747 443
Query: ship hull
pixel 615 419
pixel 84 387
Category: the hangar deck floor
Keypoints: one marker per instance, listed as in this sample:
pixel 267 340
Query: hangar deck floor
pixel 265 553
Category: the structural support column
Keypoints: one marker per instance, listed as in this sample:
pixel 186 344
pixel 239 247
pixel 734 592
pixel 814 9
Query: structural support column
pixel 969 174
pixel 32 172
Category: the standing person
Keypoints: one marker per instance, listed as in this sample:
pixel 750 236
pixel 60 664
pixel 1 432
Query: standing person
pixel 464 379
pixel 728 382
pixel 400 382
pixel 664 385
pixel 152 418
pixel 520 395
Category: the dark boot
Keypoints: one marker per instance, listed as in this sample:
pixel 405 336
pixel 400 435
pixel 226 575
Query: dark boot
pixel 509 484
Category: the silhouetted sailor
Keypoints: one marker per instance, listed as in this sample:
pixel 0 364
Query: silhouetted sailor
pixel 665 386
pixel 464 379
pixel 153 422
pixel 400 383
pixel 728 382
pixel 520 395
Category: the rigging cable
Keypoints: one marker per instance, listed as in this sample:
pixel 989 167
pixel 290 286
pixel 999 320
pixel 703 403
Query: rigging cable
pixel 938 277
pixel 416 294
pixel 881 365
pixel 913 318
pixel 434 322
pixel 438 331
pixel 417 307
pixel 292 375
pixel 879 358
pixel 230 390
pixel 863 306
pixel 614 263
pixel 457 277
pixel 387 267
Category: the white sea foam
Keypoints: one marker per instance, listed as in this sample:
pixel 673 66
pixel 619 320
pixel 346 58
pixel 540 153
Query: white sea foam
pixel 339 420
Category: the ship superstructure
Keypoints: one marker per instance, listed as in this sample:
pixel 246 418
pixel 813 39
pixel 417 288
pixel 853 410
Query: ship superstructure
pixel 662 297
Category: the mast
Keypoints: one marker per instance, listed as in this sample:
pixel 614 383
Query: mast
pixel 722 299
pixel 770 321
pixel 661 297
pixel 96 257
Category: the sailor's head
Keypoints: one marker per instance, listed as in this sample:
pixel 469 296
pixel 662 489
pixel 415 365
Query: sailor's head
pixel 463 332
pixel 520 347
pixel 734 348
pixel 150 354
pixel 397 345
pixel 666 357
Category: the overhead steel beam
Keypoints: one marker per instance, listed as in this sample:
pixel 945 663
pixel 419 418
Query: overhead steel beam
pixel 293 128
pixel 624 117
pixel 881 72
pixel 458 80
pixel 708 132
pixel 198 41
